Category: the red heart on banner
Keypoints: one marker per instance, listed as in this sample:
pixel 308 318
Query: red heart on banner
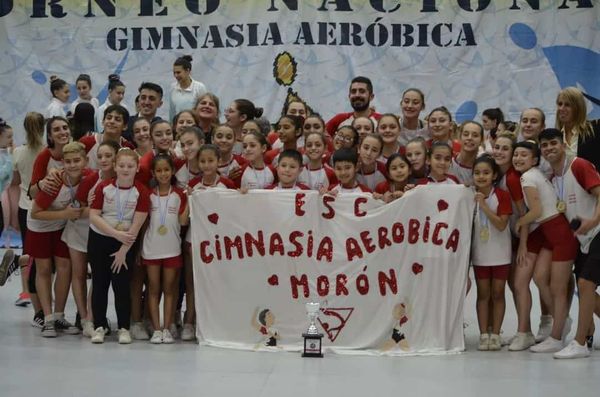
pixel 442 205
pixel 273 280
pixel 213 218
pixel 417 268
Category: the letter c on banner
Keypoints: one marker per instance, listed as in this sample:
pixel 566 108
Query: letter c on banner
pixel 357 203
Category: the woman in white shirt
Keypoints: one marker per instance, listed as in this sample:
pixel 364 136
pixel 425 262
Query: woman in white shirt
pixel 186 91
pixel 116 92
pixel 60 95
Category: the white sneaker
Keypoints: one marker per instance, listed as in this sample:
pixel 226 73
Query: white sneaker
pixel 484 342
pixel 98 336
pixel 573 350
pixel 157 338
pixel 545 328
pixel 88 328
pixel 188 332
pixel 566 329
pixel 550 345
pixel 167 337
pixel 124 336
pixel 139 332
pixel 495 342
pixel 522 341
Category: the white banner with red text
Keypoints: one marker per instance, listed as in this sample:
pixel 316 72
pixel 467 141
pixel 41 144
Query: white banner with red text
pixel 390 278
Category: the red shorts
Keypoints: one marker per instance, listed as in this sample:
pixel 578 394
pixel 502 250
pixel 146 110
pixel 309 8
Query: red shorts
pixel 554 235
pixel 174 262
pixel 499 272
pixel 45 245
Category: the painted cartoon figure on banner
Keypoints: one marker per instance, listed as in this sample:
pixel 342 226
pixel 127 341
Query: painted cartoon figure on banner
pixel 263 321
pixel 401 313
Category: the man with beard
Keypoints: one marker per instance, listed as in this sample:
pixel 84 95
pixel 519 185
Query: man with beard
pixel 150 99
pixel 360 96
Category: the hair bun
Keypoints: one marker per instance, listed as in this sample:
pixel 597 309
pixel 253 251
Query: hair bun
pixel 187 58
pixel 258 112
pixel 114 77
pixel 53 78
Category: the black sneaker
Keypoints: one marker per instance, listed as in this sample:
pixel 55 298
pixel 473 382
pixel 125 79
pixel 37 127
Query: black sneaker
pixel 66 327
pixel 8 266
pixel 589 341
pixel 48 331
pixel 38 320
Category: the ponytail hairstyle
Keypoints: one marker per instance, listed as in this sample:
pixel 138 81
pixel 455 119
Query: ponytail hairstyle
pixel 184 61
pixel 56 84
pixel 247 108
pixel 114 81
pixel 34 129
pixel 494 114
pixel 84 77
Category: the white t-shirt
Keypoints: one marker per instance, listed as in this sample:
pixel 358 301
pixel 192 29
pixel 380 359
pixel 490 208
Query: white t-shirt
pixel 574 189
pixel 534 178
pixel 236 161
pixel 56 108
pixel 373 178
pixel 496 250
pixel 167 207
pixel 54 202
pixel 126 203
pixel 185 98
pixel 463 173
pixel 254 178
pixel 23 159
pixel 316 179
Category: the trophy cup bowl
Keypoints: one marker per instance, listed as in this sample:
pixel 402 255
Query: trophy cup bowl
pixel 312 311
pixel 312 337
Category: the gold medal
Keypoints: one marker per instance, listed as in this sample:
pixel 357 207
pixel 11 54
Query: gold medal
pixel 119 226
pixel 561 206
pixel 162 230
pixel 484 234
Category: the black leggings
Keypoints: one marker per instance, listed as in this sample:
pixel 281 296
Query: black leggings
pixel 99 250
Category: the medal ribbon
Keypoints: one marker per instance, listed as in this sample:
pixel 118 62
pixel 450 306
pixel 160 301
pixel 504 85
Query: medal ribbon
pixel 74 202
pixel 121 208
pixel 163 214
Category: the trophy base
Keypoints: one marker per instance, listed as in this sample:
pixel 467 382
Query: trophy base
pixel 312 345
